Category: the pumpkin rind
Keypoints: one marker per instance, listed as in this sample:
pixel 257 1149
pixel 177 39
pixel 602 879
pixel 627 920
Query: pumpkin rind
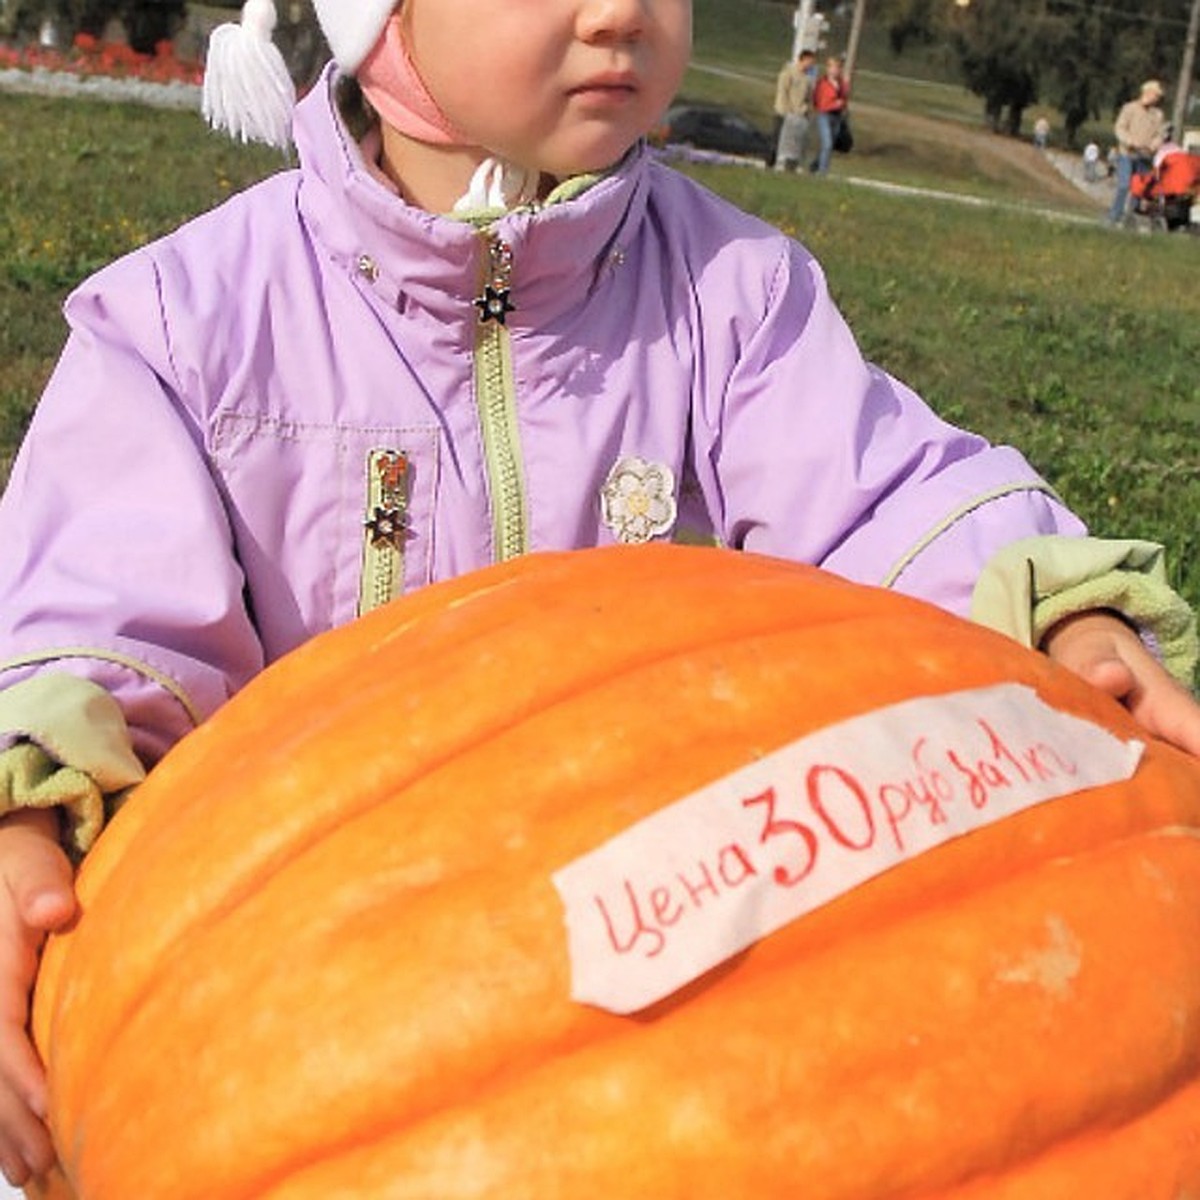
pixel 321 954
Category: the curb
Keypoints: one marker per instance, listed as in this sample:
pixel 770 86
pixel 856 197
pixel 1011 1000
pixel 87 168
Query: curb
pixel 41 82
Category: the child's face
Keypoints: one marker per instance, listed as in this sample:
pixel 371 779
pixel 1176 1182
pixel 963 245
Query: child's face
pixel 563 86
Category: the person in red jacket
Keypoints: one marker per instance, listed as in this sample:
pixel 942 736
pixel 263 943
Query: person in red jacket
pixel 830 97
pixel 1170 188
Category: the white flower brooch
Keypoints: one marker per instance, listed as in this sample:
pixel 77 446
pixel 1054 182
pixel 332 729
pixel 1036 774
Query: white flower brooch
pixel 638 500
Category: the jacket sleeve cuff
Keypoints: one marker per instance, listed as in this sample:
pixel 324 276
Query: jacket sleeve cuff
pixel 1033 584
pixel 70 747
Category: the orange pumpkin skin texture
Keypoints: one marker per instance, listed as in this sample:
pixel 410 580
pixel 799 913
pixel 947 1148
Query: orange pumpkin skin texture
pixel 321 954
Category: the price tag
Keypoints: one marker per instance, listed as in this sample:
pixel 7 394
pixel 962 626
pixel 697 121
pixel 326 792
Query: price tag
pixel 698 881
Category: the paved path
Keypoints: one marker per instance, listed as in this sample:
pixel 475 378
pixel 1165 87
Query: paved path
pixel 900 189
pixel 1070 166
pixel 1061 162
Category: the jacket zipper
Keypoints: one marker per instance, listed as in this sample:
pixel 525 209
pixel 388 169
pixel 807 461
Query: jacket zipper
pixel 496 404
pixel 385 528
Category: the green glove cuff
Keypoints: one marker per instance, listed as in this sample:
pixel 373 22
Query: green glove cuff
pixel 72 750
pixel 30 778
pixel 1033 584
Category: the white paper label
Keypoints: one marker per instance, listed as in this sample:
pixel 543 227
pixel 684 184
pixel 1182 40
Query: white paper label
pixel 700 880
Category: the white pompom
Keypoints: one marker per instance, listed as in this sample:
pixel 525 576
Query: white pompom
pixel 248 91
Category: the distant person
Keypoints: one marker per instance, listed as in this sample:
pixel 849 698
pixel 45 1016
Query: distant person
pixel 1091 162
pixel 831 95
pixel 1041 133
pixel 1140 128
pixel 793 106
pixel 1172 185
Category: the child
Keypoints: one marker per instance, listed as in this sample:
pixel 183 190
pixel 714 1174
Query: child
pixel 324 394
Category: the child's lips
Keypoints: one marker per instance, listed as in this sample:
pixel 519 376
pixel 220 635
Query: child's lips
pixel 611 87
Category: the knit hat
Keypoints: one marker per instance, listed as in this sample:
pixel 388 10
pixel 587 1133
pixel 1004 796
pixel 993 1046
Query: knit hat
pixel 247 88
pixel 249 93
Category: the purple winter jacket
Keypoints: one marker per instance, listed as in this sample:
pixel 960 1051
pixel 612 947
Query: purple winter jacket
pixel 293 408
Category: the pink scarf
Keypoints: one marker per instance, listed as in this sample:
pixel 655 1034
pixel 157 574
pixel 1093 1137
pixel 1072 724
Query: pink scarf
pixel 390 82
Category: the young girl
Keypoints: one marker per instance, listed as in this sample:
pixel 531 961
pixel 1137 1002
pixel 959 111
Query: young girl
pixel 478 320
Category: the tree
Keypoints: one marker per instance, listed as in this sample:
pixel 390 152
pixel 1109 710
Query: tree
pixel 1097 52
pixel 146 22
pixel 1084 57
pixel 915 22
pixel 996 42
pixel 1078 56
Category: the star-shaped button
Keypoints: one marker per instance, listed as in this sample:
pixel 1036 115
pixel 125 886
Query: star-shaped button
pixel 386 527
pixel 494 305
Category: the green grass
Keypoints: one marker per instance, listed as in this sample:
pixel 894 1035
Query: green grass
pixel 83 183
pixel 1076 344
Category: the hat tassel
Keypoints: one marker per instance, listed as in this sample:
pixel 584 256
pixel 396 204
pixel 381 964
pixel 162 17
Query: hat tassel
pixel 248 91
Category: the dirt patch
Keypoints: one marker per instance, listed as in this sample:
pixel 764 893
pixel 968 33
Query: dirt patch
pixel 1007 161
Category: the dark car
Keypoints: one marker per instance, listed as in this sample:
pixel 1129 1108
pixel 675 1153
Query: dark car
pixel 712 127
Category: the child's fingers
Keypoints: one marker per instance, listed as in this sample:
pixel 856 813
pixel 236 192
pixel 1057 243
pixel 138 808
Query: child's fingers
pixel 1168 711
pixel 1111 674
pixel 24 1142
pixel 1111 657
pixel 26 1148
pixel 36 895
pixel 1162 706
pixel 37 874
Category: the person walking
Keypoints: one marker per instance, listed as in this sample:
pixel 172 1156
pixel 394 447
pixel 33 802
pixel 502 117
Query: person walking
pixel 831 94
pixel 793 105
pixel 1140 128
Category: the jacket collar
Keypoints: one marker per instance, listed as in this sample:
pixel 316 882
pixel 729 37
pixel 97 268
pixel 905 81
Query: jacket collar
pixel 409 257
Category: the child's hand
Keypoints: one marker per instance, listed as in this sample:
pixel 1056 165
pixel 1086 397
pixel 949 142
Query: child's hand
pixel 1102 649
pixel 37 896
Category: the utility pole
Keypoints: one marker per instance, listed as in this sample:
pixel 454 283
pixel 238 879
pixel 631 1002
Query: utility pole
pixel 804 12
pixel 1186 72
pixel 856 21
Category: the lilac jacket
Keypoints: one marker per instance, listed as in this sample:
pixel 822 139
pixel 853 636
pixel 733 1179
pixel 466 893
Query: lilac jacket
pixel 293 408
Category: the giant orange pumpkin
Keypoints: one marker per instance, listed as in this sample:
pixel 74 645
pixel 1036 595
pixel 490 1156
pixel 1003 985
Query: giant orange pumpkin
pixel 321 954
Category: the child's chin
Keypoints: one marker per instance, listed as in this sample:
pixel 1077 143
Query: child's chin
pixel 589 162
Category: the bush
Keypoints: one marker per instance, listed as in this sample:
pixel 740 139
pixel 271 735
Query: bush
pixel 146 22
pixel 149 22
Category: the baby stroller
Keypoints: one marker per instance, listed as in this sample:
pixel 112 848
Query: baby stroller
pixel 1168 190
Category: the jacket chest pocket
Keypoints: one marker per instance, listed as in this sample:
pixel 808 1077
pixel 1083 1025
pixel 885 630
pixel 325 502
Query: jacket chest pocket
pixel 330 520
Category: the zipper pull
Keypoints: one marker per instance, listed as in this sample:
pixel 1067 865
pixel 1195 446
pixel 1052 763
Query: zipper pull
pixel 387 520
pixel 495 303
